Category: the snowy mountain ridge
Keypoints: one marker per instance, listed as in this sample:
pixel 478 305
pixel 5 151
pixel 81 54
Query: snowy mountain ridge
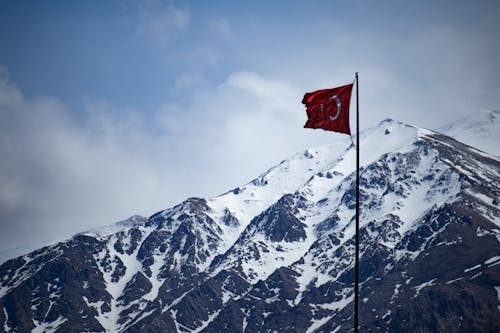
pixel 276 254
pixel 480 130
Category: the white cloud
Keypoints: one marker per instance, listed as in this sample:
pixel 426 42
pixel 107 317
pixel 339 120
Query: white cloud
pixel 159 21
pixel 234 131
pixel 9 94
pixel 222 28
pixel 59 176
pixel 204 55
pixel 272 93
pixel 189 82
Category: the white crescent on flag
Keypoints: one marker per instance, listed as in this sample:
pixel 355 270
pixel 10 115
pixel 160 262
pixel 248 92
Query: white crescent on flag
pixel 339 107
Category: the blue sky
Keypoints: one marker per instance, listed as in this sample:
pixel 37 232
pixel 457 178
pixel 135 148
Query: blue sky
pixel 115 108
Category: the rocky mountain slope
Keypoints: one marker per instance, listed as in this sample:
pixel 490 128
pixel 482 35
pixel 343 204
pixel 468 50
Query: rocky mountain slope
pixel 277 253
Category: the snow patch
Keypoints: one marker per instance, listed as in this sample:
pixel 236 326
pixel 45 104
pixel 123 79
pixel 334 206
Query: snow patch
pixel 454 280
pixel 206 322
pixel 6 327
pixel 472 268
pixel 497 288
pixel 155 281
pixel 105 231
pixel 480 232
pixel 387 314
pixel 422 286
pixel 492 261
pixel 48 327
pixel 396 292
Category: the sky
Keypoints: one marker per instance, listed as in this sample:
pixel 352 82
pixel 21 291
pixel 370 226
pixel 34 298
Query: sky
pixel 115 108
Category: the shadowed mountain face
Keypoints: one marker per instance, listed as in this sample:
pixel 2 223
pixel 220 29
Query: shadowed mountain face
pixel 277 253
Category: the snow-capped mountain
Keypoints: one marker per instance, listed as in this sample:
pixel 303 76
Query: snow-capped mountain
pixel 480 130
pixel 276 254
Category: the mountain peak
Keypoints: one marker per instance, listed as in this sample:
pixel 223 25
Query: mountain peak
pixel 389 121
pixel 276 254
pixel 480 130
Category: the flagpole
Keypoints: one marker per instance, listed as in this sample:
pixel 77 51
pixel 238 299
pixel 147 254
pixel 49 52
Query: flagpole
pixel 323 113
pixel 356 263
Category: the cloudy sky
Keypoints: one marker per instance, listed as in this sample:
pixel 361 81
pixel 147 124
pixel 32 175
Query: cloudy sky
pixel 109 109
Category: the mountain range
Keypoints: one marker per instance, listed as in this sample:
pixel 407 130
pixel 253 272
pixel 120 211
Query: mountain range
pixel 276 254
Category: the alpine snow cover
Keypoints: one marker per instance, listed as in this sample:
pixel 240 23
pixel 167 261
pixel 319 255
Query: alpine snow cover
pixel 276 254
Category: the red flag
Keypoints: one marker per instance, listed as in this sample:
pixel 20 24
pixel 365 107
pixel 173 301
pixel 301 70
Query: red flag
pixel 329 109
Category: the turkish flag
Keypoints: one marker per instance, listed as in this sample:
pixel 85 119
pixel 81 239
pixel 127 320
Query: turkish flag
pixel 329 109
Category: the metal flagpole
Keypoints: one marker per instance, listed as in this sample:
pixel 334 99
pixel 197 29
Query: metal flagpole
pixel 318 118
pixel 356 263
